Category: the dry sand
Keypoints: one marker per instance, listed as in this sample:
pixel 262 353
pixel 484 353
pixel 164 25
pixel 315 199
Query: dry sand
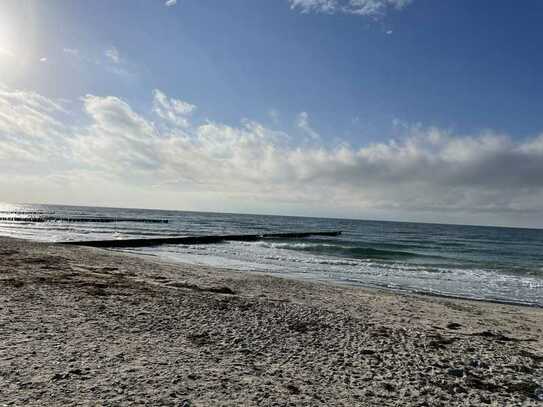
pixel 82 326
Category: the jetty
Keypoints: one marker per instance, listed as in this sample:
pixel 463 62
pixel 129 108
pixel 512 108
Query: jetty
pixel 190 240
pixel 84 219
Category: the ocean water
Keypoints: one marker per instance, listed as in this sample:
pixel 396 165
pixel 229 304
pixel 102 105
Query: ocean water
pixel 491 263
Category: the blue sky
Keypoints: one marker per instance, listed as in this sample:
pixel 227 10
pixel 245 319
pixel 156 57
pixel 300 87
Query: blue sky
pixel 353 85
pixel 463 65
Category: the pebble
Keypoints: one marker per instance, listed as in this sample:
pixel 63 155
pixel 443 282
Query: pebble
pixel 455 372
pixel 538 393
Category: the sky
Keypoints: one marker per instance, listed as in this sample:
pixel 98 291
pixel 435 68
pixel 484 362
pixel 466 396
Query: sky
pixel 411 110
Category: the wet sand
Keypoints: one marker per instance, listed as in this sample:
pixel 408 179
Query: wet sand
pixel 84 326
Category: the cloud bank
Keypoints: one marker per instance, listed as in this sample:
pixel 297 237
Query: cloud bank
pixel 103 140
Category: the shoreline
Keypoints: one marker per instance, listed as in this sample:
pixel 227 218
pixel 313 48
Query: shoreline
pixel 333 283
pixel 84 326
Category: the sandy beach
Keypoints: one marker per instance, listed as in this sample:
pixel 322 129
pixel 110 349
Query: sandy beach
pixel 82 326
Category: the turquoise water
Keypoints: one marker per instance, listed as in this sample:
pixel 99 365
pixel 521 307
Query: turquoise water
pixel 492 263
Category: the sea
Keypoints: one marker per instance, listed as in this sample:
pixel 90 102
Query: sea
pixel 475 262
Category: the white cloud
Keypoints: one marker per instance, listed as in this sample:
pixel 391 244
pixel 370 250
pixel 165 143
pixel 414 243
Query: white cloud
pixel 320 6
pixel 170 3
pixel 30 128
pixel 173 111
pixel 369 8
pixel 71 51
pixel 302 122
pixel 118 140
pixel 43 59
pixel 428 170
pixel 116 64
pixel 113 63
pixel 113 55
